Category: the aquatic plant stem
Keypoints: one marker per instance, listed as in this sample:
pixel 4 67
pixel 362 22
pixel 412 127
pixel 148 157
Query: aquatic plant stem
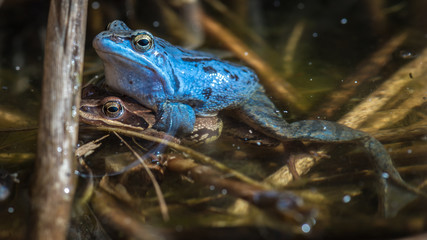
pixel 194 154
pixel 389 89
pixel 368 69
pixel 54 182
pixel 162 202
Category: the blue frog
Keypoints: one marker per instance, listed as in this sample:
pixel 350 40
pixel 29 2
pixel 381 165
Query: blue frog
pixel 180 84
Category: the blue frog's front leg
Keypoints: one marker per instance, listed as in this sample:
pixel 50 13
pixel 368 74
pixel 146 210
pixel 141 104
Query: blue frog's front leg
pixel 175 118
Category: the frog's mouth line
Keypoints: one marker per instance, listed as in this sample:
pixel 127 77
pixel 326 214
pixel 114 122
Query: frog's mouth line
pixel 108 53
pixel 151 68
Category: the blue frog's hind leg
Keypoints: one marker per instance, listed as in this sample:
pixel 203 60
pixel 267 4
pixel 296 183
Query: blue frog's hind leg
pixel 260 113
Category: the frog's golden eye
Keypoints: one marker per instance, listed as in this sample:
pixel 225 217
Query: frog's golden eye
pixel 112 109
pixel 143 41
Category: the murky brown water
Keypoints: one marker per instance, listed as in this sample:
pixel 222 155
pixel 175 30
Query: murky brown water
pixel 314 45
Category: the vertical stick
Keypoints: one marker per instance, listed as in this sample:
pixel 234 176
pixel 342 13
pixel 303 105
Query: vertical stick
pixel 54 182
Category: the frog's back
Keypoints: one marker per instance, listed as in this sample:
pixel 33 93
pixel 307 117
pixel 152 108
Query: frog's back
pixel 210 84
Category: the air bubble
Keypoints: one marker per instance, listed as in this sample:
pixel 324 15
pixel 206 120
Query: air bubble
pixel 346 199
pixel 385 175
pixel 95 5
pixel 11 210
pixel 305 228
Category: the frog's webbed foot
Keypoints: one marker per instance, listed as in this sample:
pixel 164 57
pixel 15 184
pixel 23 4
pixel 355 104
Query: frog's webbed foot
pixel 175 118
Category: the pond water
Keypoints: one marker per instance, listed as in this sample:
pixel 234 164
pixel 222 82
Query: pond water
pixel 335 55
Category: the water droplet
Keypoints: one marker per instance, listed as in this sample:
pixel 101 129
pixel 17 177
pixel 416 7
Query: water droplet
pixel 69 128
pixel 343 20
pixel 156 24
pixel 59 149
pixel 409 151
pixel 66 190
pixel 405 54
pixel 305 228
pixel 95 5
pixel 11 210
pixel 385 175
pixel 74 111
pixel 224 191
pixel 346 199
pixel 17 68
pixel 315 34
pixel 211 187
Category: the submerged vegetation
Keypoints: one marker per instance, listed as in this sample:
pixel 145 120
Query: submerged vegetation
pixel 359 63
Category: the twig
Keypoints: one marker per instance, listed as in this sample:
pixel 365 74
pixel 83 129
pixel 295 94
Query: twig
pixel 366 70
pixel 291 46
pixel 263 198
pixel 162 202
pixel 386 91
pixel 194 154
pixel 402 134
pixel 54 185
pixel 242 26
pixel 303 164
pixel 124 220
pixel 416 99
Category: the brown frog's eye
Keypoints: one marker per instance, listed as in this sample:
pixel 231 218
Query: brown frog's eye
pixel 112 109
pixel 143 41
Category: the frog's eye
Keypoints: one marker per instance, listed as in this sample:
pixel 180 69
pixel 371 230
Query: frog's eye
pixel 143 41
pixel 112 109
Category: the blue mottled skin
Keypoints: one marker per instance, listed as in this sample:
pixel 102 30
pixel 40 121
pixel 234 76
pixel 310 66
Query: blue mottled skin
pixel 173 81
pixel 180 84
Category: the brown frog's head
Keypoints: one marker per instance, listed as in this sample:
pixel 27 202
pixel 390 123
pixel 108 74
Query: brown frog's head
pixel 102 109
